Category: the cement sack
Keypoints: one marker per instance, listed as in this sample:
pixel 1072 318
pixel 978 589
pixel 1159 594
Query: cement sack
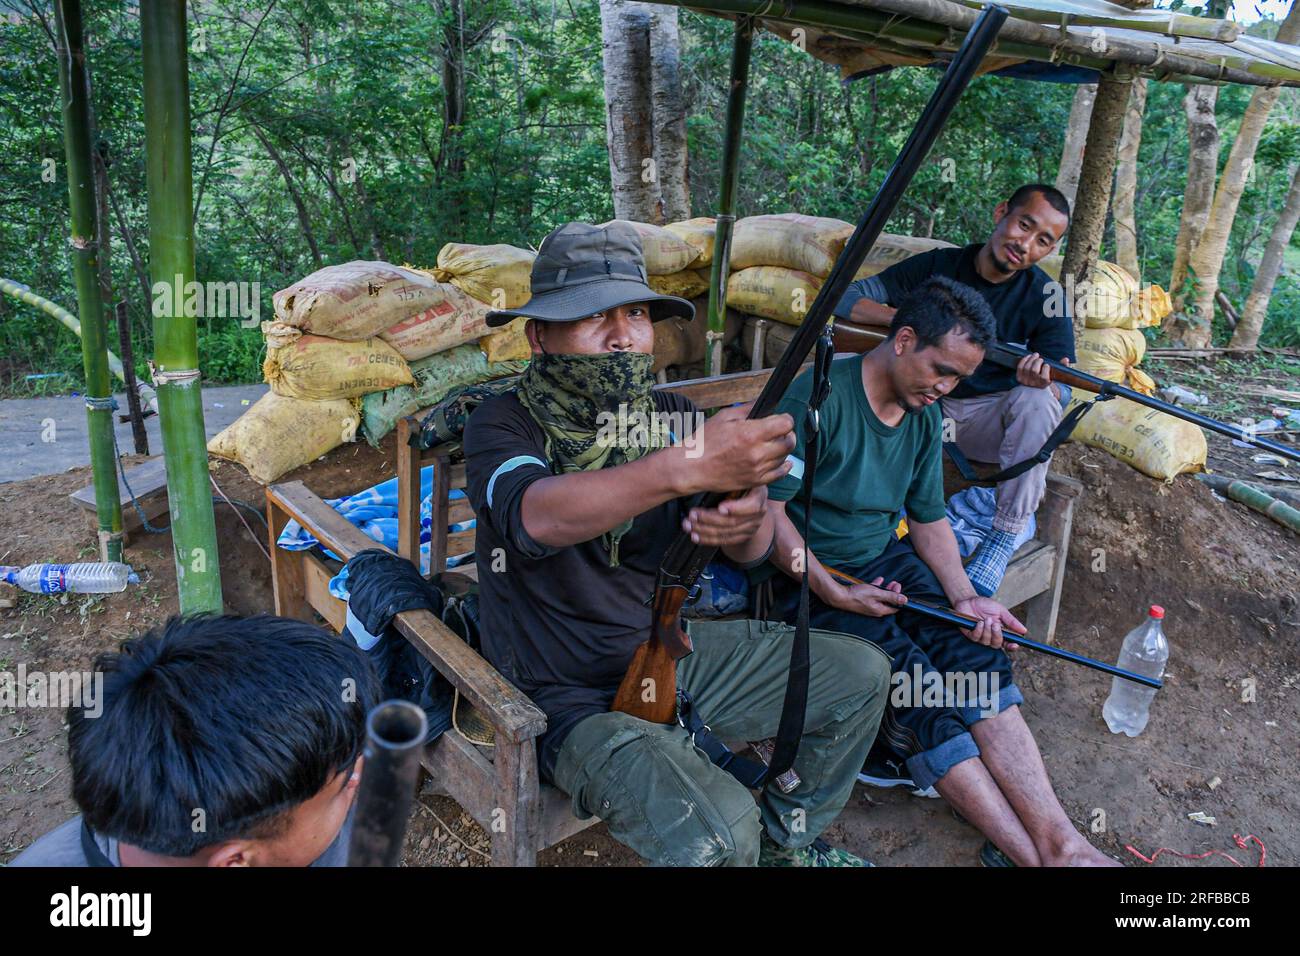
pixel 279 334
pixel 434 377
pixel 773 292
pixel 356 300
pixel 686 284
pixel 804 243
pixel 1151 305
pixel 664 252
pixel 699 233
pixel 498 275
pixel 1111 299
pixel 1154 443
pixel 319 369
pixel 1113 354
pixel 278 434
pixel 456 318
pixel 509 344
pixel 890 250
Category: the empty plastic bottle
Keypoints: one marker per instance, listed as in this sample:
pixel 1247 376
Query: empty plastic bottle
pixel 1146 652
pixel 86 578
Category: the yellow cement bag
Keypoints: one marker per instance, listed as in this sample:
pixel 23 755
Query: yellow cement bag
pixel 278 434
pixel 664 252
pixel 1151 305
pixel 699 233
pixel 1113 354
pixel 509 344
pixel 773 292
pixel 804 243
pixel 686 284
pixel 1111 299
pixel 279 334
pixel 1154 443
pixel 891 249
pixel 319 369
pixel 455 319
pixel 355 300
pixel 498 275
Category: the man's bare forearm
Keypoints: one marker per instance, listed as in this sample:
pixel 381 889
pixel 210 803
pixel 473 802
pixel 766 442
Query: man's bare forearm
pixel 582 505
pixel 790 554
pixel 936 545
pixel 868 312
pixel 749 551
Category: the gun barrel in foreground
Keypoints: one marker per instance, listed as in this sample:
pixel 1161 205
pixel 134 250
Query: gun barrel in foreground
pixel 649 688
pixel 395 732
pixel 1010 355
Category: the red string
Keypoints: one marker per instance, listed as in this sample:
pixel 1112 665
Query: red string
pixel 1242 843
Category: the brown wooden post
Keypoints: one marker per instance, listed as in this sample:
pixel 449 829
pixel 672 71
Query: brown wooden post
pixel 287 577
pixel 516 839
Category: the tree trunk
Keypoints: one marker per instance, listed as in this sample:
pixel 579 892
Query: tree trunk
pixel 625 30
pixel 1251 323
pixel 304 217
pixel 1095 179
pixel 1198 194
pixel 1076 132
pixel 1126 247
pixel 671 161
pixel 451 160
pixel 1192 328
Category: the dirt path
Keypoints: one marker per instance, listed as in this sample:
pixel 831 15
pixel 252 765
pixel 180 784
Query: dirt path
pixel 1228 578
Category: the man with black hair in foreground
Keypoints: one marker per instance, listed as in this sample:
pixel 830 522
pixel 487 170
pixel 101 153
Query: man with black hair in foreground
pixel 223 741
pixel 997 414
pixel 953 713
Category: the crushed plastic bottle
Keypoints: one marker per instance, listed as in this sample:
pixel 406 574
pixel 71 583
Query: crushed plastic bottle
pixel 1145 651
pixel 107 577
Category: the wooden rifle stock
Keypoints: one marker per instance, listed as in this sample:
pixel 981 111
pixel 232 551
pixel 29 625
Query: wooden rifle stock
pixel 653 670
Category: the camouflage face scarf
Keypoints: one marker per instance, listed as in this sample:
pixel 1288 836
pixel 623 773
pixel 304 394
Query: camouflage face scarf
pixel 596 412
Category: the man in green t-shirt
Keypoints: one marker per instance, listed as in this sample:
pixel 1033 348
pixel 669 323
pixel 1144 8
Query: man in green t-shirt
pixel 953 714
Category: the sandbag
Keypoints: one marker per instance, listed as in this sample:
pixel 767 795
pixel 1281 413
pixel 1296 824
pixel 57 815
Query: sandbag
pixel 664 252
pixel 355 300
pixel 1154 443
pixel 699 233
pixel 321 369
pixel 509 344
pixel 805 243
pixel 498 275
pixel 1113 354
pixel 434 377
pixel 773 292
pixel 278 434
pixel 1151 305
pixel 279 334
pixel 1112 299
pixel 686 284
pixel 455 319
pixel 891 249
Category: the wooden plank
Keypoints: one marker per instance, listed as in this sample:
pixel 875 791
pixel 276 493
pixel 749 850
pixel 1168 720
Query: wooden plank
pixel 457 770
pixel 408 492
pixel 461 542
pixel 438 545
pixel 1028 574
pixel 326 525
pixel 316 580
pixel 557 820
pixel 289 594
pixel 1055 520
pixel 148 480
pixel 723 390
pixel 459 510
pixel 515 826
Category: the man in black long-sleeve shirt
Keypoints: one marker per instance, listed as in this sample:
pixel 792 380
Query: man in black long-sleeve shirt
pixel 998 414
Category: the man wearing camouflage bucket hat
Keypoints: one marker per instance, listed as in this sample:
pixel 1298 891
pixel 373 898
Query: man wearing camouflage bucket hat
pixel 574 516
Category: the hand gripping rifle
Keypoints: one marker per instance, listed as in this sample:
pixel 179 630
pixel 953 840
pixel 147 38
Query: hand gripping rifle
pixel 649 689
pixel 1009 356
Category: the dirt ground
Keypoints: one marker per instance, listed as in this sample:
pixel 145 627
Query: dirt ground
pixel 1228 578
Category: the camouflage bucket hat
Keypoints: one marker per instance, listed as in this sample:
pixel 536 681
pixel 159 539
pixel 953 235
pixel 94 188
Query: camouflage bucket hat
pixel 583 269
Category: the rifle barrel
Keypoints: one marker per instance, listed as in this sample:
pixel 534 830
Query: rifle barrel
pixel 395 733
pixel 1008 355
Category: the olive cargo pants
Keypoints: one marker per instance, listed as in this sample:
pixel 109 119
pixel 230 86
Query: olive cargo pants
pixel 662 797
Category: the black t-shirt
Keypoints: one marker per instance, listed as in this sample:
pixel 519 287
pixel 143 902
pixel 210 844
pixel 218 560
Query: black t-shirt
pixel 1030 308
pixel 559 623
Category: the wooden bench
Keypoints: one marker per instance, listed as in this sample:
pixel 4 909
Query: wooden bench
pixel 499 786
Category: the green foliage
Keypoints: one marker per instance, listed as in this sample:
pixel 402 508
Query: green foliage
pixel 321 134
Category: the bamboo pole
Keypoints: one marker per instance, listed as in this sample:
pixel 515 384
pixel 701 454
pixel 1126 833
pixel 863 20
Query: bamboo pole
pixel 171 263
pixel 726 215
pixel 74 85
pixel 940 24
pixel 23 294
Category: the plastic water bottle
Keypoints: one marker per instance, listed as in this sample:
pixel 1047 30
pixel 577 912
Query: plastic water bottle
pixel 87 578
pixel 1145 652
